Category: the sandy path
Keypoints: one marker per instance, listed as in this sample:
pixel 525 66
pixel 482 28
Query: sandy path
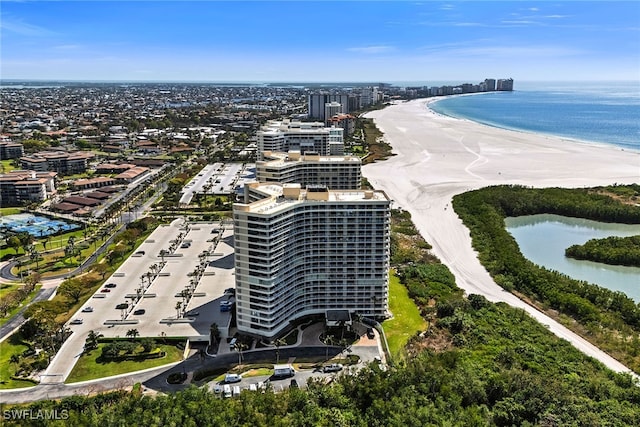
pixel 438 157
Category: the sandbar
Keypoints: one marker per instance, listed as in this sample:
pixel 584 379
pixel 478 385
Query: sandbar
pixel 437 157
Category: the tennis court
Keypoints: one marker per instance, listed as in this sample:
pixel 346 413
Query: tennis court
pixel 37 226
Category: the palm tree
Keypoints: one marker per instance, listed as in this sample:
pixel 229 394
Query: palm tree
pixel 279 342
pixel 133 333
pixel 92 340
pixel 34 255
pixel 239 348
pixel 70 248
pixel 178 306
pixel 329 341
pixel 214 334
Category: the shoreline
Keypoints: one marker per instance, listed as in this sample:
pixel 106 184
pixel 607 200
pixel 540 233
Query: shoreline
pixel 438 157
pixel 433 100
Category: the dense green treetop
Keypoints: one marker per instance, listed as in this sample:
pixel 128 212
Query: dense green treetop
pixel 611 250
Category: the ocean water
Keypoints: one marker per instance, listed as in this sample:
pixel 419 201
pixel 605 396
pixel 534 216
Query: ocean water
pixel 600 112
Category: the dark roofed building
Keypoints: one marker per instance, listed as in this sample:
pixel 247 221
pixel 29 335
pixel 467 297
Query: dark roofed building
pixel 65 207
pixel 98 195
pixel 82 201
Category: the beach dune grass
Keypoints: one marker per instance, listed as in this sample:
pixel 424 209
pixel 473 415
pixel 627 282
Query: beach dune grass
pixel 406 320
pixel 90 365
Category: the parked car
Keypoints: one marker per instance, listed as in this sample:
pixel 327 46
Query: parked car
pixel 226 390
pixel 230 291
pixel 334 367
pixel 139 312
pixel 370 333
pixel 193 313
pixel 105 290
pixel 76 322
pixel 225 305
pixel 185 245
pixel 110 285
pixel 87 309
pixel 294 384
pixel 122 306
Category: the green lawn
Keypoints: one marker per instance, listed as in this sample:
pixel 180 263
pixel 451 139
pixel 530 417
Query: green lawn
pixel 8 348
pixel 10 211
pixel 5 288
pixel 88 368
pixel 6 166
pixel 406 319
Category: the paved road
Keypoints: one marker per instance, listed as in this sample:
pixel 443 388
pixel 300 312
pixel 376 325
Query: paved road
pixel 18 319
pixel 155 379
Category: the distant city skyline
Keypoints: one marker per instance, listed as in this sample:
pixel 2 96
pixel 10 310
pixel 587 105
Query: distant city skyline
pixel 294 41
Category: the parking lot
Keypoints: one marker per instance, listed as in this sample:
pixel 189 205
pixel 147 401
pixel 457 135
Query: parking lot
pixel 194 246
pixel 159 277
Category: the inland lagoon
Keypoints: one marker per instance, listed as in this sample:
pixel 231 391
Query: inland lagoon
pixel 543 239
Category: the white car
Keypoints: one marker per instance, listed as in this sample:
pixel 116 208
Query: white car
pixel 334 367
pixel 87 310
pixel 76 322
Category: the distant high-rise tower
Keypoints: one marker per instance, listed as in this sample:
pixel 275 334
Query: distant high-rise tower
pixel 331 109
pixel 505 84
pixel 317 104
pixel 490 85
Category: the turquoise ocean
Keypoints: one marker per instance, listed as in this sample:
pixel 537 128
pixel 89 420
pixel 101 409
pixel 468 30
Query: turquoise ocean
pixel 598 112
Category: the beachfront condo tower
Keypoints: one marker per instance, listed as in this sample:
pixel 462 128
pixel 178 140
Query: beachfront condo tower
pixel 288 135
pixel 335 172
pixel 302 252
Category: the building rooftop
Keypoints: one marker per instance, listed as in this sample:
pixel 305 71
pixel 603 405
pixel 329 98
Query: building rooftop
pixel 278 158
pixel 281 196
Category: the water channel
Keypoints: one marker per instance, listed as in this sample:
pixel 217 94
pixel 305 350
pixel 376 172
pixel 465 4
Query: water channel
pixel 544 238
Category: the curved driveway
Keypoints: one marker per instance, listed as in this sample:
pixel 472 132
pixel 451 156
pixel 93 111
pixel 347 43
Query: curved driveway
pixel 155 378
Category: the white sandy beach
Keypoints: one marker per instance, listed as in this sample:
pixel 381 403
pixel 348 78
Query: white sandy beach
pixel 438 157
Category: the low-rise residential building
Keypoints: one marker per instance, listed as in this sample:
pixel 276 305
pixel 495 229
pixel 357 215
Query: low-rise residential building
pixel 57 161
pixel 20 187
pixel 11 150
pixel 132 174
pixel 305 252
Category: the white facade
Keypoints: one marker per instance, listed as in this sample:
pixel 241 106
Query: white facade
pixel 300 136
pixel 330 110
pixel 336 172
pixel 299 253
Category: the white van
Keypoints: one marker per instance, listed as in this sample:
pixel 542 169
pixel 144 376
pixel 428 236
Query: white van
pixel 236 390
pixel 226 390
pixel 232 378
pixel 283 371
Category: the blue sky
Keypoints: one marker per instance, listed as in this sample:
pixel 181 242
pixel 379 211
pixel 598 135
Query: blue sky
pixel 320 41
